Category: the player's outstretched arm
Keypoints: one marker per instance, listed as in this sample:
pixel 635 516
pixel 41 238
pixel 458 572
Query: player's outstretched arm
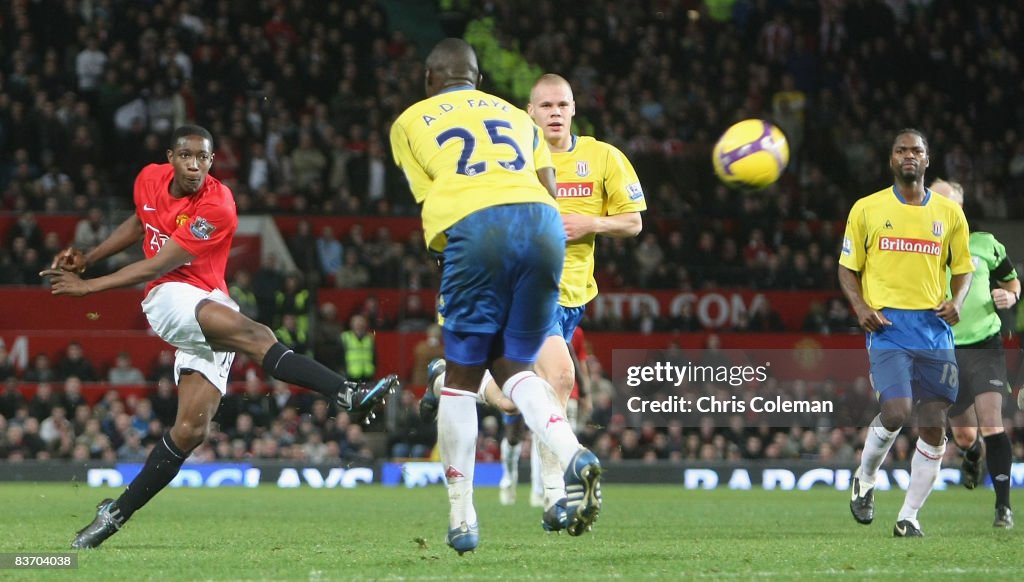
pixel 170 257
pixel 623 225
pixel 126 234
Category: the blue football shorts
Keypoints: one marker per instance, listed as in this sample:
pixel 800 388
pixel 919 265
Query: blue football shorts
pixel 499 283
pixel 566 320
pixel 914 357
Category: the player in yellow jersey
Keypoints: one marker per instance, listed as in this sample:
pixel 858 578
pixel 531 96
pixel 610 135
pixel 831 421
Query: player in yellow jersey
pixel 892 269
pixel 598 193
pixel 484 177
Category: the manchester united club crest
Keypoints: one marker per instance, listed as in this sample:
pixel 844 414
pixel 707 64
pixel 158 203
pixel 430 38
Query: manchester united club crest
pixel 582 169
pixel 937 228
pixel 181 219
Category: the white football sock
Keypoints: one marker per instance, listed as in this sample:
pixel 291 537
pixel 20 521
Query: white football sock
pixel 535 399
pixel 536 483
pixel 876 447
pixel 456 435
pixel 924 471
pixel 510 455
pixel 552 476
pixel 481 392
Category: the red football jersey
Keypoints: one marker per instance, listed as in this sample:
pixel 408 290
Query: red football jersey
pixel 203 224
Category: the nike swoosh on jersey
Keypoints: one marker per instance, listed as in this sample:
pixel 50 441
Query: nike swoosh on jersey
pixel 148 208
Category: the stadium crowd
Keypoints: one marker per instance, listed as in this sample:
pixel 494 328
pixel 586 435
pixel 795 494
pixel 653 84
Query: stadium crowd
pixel 300 97
pixel 268 420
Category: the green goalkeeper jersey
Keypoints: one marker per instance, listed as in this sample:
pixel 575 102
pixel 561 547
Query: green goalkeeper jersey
pixel 978 317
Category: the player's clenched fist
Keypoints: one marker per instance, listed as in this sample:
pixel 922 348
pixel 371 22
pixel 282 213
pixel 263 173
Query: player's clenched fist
pixel 69 259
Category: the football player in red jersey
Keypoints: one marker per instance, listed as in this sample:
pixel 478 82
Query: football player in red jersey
pixel 186 220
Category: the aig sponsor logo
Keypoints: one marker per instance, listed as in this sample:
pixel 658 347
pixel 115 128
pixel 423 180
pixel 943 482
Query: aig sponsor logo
pixel 575 189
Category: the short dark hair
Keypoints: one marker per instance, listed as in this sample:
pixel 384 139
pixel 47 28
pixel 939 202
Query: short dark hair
pixel 903 131
pixel 190 130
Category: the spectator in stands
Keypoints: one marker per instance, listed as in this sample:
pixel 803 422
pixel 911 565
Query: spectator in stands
pixel 356 449
pixel 30 264
pixel 327 346
pixel 132 450
pixel 7 369
pixel 371 309
pixel 74 363
pixel 253 401
pixel 282 397
pixel 10 272
pixel 816 320
pixel 165 401
pixel 43 402
pixel 647 256
pixel 266 283
pixel 244 430
pixel 308 163
pixel 839 319
pixel 90 231
pixel 291 335
pixel 294 299
pixel 329 252
pixel 51 428
pixel 352 273
pixel 360 350
pixel 27 228
pixel 413 316
pixel 71 396
pixel 41 371
pixel 408 434
pixel 242 292
pixel 426 350
pixel 163 366
pixel 762 318
pixel 123 372
pixel 303 247
pixel 645 321
pixel 89 65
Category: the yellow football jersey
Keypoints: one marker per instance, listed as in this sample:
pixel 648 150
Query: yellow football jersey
pixel 594 179
pixel 463 150
pixel 902 250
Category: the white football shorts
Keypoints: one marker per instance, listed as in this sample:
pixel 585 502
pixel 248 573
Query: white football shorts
pixel 171 311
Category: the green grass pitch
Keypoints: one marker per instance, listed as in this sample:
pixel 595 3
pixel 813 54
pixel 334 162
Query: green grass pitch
pixel 645 532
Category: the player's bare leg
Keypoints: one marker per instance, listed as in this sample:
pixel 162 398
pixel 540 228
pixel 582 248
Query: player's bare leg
pixel 197 403
pixel 229 330
pixel 965 435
